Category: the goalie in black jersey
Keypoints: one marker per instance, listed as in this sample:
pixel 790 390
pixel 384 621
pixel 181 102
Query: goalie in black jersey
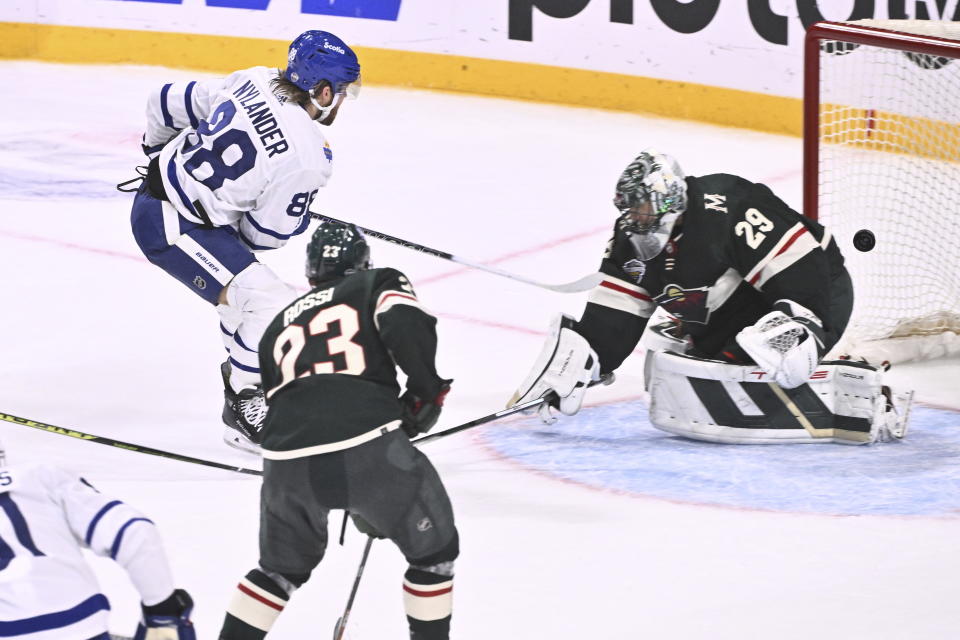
pixel 336 436
pixel 746 296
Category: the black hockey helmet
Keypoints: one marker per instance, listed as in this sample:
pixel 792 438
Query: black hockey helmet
pixel 336 250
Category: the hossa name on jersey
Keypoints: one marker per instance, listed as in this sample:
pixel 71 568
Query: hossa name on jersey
pixel 329 360
pixel 737 249
pixel 234 153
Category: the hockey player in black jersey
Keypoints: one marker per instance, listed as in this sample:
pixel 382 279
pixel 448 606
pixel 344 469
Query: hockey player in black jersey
pixel 747 289
pixel 336 436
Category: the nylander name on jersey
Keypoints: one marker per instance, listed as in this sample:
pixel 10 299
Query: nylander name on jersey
pixel 263 120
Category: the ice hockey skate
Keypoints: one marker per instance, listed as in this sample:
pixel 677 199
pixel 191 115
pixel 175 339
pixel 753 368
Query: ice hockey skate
pixel 243 414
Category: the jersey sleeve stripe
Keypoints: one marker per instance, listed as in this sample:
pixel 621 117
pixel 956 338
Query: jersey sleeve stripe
pixel 250 243
pixel 115 547
pixel 188 103
pixel 96 519
pixel 164 108
pixel 265 230
pixel 622 297
pixel 788 238
pixel 6 554
pixel 55 620
pixel 175 183
pixel 20 527
pixel 158 147
pixel 799 245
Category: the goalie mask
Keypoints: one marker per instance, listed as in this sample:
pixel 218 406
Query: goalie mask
pixel 651 195
pixel 336 250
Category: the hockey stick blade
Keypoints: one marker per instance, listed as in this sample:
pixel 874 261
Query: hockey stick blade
pixel 583 284
pixel 128 446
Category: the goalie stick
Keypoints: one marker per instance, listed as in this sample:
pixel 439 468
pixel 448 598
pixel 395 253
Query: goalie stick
pixel 80 435
pixel 583 284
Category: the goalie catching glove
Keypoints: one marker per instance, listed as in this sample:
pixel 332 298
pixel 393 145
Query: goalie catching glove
pixel 787 343
pixel 419 415
pixel 563 371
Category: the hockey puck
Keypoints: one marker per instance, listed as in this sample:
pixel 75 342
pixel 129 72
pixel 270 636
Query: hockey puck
pixel 864 240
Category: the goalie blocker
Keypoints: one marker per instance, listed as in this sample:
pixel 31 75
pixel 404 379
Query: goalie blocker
pixel 842 401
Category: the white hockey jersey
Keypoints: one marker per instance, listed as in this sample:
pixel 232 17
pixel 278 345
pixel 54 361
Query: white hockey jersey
pixel 47 590
pixel 234 154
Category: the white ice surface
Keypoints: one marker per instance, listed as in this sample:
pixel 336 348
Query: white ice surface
pixel 95 338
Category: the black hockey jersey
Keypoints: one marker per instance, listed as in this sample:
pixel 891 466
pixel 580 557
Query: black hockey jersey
pixel 328 362
pixel 737 249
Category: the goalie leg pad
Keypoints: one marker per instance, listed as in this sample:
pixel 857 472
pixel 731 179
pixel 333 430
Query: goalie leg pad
pixel 719 402
pixel 255 606
pixel 565 366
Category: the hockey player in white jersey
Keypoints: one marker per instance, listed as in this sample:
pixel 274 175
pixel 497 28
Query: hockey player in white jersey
pixel 47 589
pixel 235 164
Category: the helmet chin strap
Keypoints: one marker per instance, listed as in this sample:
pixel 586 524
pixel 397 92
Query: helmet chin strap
pixel 324 112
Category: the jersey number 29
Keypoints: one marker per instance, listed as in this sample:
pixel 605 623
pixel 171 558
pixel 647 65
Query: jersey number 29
pixel 294 338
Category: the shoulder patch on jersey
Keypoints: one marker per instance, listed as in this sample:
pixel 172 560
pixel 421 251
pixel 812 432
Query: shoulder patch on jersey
pixel 635 269
pixel 327 152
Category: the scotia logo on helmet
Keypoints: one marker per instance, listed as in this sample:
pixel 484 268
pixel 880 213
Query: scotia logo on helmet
pixel 690 305
pixel 333 47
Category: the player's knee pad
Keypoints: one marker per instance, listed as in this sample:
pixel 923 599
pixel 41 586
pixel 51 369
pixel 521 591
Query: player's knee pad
pixel 259 599
pixel 258 293
pixel 719 402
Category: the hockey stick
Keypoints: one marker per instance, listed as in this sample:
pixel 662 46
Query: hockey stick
pixel 503 413
pixel 6 417
pixel 583 284
pixel 605 379
pixel 341 626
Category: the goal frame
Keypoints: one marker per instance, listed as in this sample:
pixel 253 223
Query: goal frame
pixel 856 34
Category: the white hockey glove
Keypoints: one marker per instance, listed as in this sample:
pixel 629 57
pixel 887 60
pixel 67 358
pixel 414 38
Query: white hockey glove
pixel 565 367
pixel 787 343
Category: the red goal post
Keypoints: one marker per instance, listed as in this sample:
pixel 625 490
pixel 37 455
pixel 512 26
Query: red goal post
pixel 882 173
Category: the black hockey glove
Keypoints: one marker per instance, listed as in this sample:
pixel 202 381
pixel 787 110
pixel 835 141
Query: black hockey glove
pixel 365 527
pixel 419 415
pixel 171 615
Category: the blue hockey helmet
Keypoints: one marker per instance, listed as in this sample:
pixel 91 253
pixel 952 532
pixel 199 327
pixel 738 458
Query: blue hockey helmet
pixel 319 55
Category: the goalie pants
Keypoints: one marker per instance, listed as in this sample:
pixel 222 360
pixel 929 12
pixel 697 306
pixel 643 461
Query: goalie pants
pixel 387 481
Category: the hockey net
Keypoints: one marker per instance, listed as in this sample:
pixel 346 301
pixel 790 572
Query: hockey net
pixel 882 159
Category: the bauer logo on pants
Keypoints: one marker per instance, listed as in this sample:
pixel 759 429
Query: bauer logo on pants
pixel 424 525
